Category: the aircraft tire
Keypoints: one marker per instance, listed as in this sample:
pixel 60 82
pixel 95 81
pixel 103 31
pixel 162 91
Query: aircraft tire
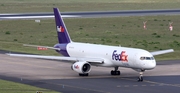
pixel 86 74
pixel 118 73
pixel 115 72
pixel 112 72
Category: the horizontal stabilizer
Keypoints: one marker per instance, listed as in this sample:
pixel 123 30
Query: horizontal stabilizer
pixel 41 47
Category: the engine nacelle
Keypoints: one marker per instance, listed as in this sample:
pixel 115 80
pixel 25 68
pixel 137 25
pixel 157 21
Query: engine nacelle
pixel 81 67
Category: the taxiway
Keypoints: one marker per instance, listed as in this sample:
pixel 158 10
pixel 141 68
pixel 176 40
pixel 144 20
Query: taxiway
pixel 58 76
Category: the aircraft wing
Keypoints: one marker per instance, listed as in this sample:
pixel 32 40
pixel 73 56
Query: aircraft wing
pixel 73 59
pixel 161 52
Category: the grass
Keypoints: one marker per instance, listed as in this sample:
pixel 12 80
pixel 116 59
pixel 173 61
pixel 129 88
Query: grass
pixel 12 87
pixel 13 6
pixel 124 31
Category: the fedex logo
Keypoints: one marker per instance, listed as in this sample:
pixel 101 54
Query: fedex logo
pixel 60 29
pixel 77 67
pixel 120 57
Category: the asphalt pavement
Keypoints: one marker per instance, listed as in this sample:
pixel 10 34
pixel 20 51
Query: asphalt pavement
pixel 58 76
pixel 91 14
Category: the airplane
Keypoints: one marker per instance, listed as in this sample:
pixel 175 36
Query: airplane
pixel 85 55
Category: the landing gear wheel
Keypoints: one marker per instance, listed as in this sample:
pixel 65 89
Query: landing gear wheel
pixel 85 74
pixel 118 73
pixel 112 72
pixel 115 71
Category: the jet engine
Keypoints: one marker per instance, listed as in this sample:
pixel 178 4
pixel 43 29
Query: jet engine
pixel 81 67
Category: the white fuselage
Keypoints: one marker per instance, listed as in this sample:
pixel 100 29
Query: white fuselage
pixel 113 55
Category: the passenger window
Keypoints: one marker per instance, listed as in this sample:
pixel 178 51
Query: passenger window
pixel 147 58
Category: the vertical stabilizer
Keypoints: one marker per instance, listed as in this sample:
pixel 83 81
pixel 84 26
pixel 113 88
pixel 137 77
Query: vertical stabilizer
pixel 63 35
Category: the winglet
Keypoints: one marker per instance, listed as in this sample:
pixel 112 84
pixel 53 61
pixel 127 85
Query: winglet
pixel 63 35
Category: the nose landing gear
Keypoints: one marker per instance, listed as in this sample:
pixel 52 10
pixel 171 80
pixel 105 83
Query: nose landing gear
pixel 140 78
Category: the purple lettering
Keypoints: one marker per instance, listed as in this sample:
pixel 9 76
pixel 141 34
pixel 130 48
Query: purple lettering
pixel 119 57
pixel 114 55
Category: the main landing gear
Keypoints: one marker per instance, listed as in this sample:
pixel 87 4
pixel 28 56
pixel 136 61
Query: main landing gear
pixel 140 78
pixel 115 72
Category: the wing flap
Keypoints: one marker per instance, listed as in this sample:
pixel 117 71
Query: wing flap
pixel 162 52
pixel 92 60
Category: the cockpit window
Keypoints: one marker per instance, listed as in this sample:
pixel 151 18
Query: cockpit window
pixel 147 58
pixel 142 58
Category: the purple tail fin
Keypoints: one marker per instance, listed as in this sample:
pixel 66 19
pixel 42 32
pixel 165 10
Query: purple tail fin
pixel 62 32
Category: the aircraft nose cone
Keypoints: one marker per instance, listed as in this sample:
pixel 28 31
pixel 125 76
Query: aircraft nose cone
pixel 151 65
